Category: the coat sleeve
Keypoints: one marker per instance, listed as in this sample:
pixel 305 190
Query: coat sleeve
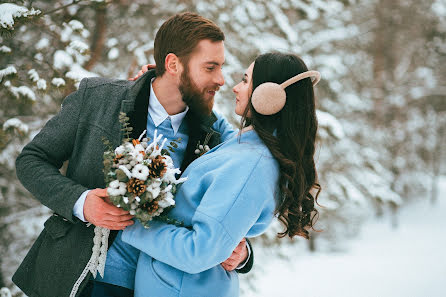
pixel 223 127
pixel 38 164
pixel 222 219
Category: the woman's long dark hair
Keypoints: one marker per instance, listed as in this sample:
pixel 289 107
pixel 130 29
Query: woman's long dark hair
pixel 290 136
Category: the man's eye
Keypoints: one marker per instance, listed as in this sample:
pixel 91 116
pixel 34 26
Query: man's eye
pixel 210 68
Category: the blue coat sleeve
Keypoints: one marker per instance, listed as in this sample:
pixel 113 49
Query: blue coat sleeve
pixel 230 207
pixel 223 127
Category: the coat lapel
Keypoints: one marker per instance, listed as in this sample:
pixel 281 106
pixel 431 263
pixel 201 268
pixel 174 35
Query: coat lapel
pixel 136 104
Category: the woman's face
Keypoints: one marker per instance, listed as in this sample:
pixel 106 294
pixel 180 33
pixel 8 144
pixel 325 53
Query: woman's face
pixel 243 91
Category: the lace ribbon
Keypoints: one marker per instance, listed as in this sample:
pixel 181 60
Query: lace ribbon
pixel 99 255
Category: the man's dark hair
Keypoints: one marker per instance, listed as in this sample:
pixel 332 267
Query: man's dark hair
pixel 180 35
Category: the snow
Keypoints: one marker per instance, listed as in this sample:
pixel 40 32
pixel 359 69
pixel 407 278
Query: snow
pixel 69 29
pixel 41 84
pixel 42 44
pixel 7 71
pixel 330 124
pixel 76 25
pixel 15 123
pixel 9 11
pixel 283 23
pixel 79 46
pixel 439 8
pixel 4 292
pixel 77 73
pixel 112 42
pixel 113 54
pixel 33 75
pixel 385 261
pixel 5 49
pixel 22 91
pixel 58 82
pixel 62 59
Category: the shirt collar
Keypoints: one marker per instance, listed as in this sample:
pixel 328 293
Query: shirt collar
pixel 159 114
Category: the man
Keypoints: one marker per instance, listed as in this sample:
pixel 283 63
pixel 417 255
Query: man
pixel 176 99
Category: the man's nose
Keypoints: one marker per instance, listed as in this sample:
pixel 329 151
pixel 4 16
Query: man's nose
pixel 219 79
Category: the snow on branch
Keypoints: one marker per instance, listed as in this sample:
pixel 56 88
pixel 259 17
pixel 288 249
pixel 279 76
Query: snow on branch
pixel 15 123
pixel 22 91
pixel 10 13
pixel 329 125
pixel 8 71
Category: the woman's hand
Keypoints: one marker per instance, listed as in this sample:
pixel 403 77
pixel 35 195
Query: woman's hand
pixel 143 70
pixel 238 256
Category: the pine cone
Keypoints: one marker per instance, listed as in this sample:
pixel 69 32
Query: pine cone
pixel 157 168
pixel 151 207
pixel 136 186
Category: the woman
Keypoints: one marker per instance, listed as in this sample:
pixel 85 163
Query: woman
pixel 236 189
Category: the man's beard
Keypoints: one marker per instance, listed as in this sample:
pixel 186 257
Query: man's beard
pixel 193 97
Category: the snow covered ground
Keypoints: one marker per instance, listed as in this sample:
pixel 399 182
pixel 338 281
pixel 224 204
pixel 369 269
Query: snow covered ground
pixel 407 261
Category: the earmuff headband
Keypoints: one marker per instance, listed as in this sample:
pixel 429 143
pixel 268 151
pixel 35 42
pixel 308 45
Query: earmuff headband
pixel 315 78
pixel 269 98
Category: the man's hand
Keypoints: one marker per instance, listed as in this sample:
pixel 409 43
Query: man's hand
pixel 143 70
pixel 103 214
pixel 238 256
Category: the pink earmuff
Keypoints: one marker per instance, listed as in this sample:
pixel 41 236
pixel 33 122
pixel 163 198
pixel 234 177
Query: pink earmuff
pixel 269 98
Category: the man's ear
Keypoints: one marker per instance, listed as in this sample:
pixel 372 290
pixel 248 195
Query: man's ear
pixel 173 64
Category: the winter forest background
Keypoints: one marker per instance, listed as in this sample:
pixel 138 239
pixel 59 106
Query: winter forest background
pixel 381 110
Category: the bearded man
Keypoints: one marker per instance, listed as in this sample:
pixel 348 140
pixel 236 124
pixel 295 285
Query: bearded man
pixel 177 100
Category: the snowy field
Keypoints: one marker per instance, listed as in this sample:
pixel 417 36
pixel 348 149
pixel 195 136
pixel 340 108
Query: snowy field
pixel 407 261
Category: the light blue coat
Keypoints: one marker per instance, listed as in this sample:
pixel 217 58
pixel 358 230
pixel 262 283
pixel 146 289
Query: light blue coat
pixel 230 194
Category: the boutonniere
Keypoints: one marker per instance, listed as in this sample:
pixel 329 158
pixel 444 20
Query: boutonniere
pixel 202 149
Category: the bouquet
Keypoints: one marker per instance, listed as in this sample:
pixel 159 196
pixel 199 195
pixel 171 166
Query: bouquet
pixel 141 178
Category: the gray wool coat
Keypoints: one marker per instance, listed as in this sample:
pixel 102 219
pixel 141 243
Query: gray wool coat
pixel 54 265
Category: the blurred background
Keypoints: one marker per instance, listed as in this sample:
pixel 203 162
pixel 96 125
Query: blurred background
pixel 381 111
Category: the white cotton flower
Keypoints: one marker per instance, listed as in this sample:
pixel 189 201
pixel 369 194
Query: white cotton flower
pixel 139 158
pixel 137 152
pixel 167 201
pixel 126 171
pixel 156 183
pixel 170 175
pixel 126 199
pixel 140 172
pixel 167 189
pixel 154 191
pixel 168 160
pixel 120 150
pixel 116 188
pixel 139 148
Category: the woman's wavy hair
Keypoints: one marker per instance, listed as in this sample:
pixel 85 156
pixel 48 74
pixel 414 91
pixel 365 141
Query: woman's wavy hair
pixel 290 136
